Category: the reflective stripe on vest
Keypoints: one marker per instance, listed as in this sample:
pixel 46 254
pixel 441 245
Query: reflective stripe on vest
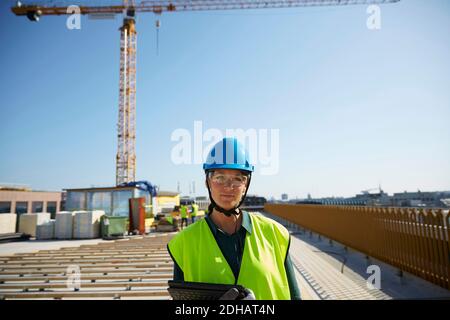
pixel 262 269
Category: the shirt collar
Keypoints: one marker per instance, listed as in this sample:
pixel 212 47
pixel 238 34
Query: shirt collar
pixel 246 223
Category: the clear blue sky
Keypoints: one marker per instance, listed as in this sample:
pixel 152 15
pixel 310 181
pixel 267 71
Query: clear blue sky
pixel 354 107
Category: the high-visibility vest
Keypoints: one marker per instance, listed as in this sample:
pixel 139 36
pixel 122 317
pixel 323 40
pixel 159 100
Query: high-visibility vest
pixel 262 268
pixel 183 211
pixel 194 210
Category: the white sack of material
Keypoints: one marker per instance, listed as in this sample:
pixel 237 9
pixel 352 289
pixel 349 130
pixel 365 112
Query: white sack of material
pixel 8 223
pixel 46 231
pixel 86 224
pixel 29 221
pixel 64 225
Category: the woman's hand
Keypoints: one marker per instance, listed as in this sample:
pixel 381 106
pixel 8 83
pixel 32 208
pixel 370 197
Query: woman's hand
pixel 233 294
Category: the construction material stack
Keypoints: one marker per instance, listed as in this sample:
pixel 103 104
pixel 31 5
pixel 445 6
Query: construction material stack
pixel 29 222
pixel 45 231
pixel 64 225
pixel 86 224
pixel 8 223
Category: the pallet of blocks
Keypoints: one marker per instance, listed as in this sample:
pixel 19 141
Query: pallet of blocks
pixel 64 225
pixel 86 224
pixel 45 231
pixel 29 222
pixel 8 223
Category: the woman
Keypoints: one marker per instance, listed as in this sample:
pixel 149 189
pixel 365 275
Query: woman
pixel 232 246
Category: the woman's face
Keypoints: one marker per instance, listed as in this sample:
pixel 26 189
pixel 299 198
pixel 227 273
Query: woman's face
pixel 227 187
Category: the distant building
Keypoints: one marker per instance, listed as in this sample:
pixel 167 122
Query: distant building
pixel 113 200
pixel 186 200
pixel 440 199
pixel 203 202
pixel 378 199
pixel 21 200
pixel 308 202
pixel 166 201
pixel 446 202
pixel 284 197
pixel 420 199
pixel 254 201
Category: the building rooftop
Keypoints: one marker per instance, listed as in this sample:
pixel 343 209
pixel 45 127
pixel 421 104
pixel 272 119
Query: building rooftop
pixel 102 188
pixel 167 194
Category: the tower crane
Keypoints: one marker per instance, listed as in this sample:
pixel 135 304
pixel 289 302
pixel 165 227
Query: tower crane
pixel 126 125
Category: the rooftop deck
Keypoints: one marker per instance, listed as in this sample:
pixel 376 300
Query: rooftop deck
pixel 139 268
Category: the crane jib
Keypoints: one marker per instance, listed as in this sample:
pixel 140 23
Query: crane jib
pixel 171 6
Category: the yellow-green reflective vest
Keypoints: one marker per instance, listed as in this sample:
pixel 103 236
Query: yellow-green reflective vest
pixel 262 268
pixel 183 211
pixel 169 219
pixel 194 210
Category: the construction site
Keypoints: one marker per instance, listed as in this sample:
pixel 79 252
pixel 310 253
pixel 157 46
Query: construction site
pixel 110 242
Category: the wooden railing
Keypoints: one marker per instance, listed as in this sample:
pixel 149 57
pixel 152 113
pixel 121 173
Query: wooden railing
pixel 413 240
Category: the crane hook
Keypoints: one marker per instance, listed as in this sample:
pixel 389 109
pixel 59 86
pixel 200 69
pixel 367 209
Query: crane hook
pixel 158 24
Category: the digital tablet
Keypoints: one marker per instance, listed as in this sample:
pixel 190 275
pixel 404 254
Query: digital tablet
pixel 183 290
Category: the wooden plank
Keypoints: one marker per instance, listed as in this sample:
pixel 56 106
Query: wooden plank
pixel 63 285
pixel 163 294
pixel 93 256
pixel 115 250
pixel 86 257
pixel 128 253
pixel 87 270
pixel 93 252
pixel 88 277
pixel 99 267
pixel 85 261
pixel 80 263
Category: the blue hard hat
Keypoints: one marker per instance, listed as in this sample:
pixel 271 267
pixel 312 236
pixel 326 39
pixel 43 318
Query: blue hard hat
pixel 228 153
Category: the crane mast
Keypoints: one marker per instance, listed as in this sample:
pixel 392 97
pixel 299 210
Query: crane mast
pixel 126 126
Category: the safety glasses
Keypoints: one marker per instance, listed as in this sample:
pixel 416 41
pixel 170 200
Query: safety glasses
pixel 235 181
